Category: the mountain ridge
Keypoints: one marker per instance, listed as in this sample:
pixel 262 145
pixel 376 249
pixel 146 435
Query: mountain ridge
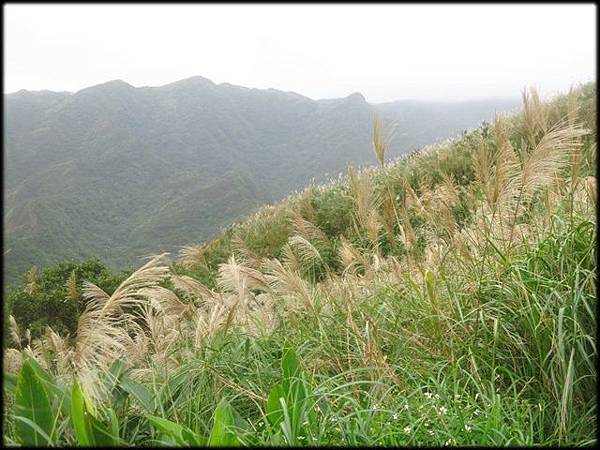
pixel 99 162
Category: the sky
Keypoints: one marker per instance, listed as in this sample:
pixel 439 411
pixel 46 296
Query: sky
pixel 384 51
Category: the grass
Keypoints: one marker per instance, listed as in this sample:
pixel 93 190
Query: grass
pixel 444 299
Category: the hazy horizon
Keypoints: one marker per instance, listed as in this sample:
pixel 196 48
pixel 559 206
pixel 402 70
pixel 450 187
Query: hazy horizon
pixel 385 52
pixel 406 99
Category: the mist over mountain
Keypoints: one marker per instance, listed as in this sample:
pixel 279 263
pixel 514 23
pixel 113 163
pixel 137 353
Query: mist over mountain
pixel 119 172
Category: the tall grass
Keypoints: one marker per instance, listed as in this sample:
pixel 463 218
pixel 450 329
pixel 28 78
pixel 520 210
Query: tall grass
pixel 444 299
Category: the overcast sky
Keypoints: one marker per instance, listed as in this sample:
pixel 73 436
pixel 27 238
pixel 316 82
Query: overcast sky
pixel 386 52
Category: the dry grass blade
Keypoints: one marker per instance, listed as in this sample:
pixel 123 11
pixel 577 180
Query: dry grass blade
pixel 244 253
pixel 308 230
pixel 286 282
pixel 191 287
pixel 307 253
pixel 191 256
pixel 381 141
pixel 32 287
pixel 100 335
pixel 11 360
pixel 166 301
pixel 366 203
pixel 352 259
pixel 14 331
pixel 234 277
pixel 548 157
pixel 208 324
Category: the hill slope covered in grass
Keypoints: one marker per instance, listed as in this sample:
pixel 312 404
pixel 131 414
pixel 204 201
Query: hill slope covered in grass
pixel 144 170
pixel 447 298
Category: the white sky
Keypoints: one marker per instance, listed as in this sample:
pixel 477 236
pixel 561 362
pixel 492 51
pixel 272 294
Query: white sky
pixel 386 52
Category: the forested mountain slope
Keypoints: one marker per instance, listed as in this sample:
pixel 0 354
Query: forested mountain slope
pixel 118 172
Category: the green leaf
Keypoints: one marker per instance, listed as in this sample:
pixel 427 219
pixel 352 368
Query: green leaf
pixel 140 392
pixel 182 435
pixel 100 435
pixel 224 431
pixel 32 403
pixel 51 386
pixel 78 416
pixel 114 425
pixel 274 411
pixel 290 364
pixel 34 426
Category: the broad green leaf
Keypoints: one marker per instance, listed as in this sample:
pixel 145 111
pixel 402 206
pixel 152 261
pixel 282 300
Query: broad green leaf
pixel 32 403
pixel 78 416
pixel 33 426
pixel 114 424
pixel 99 433
pixel 140 392
pixel 290 364
pixel 39 370
pixel 53 389
pixel 182 435
pixel 274 411
pixel 114 373
pixel 224 429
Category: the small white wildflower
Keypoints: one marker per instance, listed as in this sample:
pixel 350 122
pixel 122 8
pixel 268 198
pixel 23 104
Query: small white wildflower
pixel 405 406
pixel 428 394
pixel 476 412
pixel 395 416
pixel 431 433
pixel 407 429
pixel 467 428
pixel 300 438
pixel 443 410
pixel 375 406
pixel 436 396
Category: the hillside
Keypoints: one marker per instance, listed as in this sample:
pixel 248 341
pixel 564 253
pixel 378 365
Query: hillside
pixel 445 298
pixel 119 172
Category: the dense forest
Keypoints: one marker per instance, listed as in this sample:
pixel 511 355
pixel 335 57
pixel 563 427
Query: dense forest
pixel 118 172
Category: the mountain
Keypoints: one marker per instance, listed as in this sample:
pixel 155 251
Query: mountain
pixel 119 172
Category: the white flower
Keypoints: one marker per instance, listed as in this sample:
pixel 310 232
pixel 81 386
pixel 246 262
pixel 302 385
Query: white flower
pixel 443 410
pixel 467 428
pixel 375 406
pixel 395 416
pixel 431 433
pixel 405 406
pixel 428 394
pixel 407 429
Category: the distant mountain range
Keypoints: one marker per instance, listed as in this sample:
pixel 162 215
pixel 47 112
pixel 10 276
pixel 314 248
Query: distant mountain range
pixel 118 172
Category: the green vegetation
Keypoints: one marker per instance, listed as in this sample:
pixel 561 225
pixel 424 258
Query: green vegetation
pixel 118 172
pixel 447 298
pixel 52 297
